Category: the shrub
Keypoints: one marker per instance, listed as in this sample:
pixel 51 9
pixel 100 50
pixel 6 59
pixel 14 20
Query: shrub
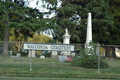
pixel 23 53
pixel 47 54
pixel 88 61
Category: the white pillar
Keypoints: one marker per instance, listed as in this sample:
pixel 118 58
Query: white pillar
pixel 88 35
pixel 89 29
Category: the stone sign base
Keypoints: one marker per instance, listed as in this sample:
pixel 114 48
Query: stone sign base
pixel 54 54
pixel 31 52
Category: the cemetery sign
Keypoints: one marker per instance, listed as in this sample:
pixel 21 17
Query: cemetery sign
pixel 50 47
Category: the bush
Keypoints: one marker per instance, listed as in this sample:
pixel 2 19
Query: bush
pixel 88 61
pixel 47 54
pixel 23 53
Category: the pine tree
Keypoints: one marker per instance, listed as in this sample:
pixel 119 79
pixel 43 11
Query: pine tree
pixel 73 15
pixel 115 11
pixel 24 20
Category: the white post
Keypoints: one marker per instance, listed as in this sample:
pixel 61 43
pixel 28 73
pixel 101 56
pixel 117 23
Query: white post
pixel 30 60
pixel 98 52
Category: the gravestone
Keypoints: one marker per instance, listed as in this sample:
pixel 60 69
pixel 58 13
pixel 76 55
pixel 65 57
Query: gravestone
pixel 11 52
pixel 18 55
pixel 54 54
pixel 89 29
pixel 66 40
pixel 18 60
pixel 73 54
pixel 88 35
pixel 42 57
pixel 31 53
pixel 62 58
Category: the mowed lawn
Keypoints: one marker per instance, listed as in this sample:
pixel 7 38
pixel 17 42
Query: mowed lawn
pixel 51 69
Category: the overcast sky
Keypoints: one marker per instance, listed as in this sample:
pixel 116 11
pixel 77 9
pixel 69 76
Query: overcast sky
pixel 39 6
pixel 42 9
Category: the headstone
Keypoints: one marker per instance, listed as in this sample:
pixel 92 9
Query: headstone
pixel 89 29
pixel 18 60
pixel 33 53
pixel 73 54
pixel 42 57
pixel 62 58
pixel 13 56
pixel 11 52
pixel 54 54
pixel 88 34
pixel 66 40
pixel 66 37
pixel 18 55
pixel 117 52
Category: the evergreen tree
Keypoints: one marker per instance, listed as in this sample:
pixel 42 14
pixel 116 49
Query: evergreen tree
pixel 115 11
pixel 73 15
pixel 24 19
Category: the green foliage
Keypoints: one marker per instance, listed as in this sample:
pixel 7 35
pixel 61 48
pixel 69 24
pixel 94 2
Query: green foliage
pixel 23 19
pixel 23 53
pixel 88 61
pixel 115 11
pixel 73 15
pixel 47 54
pixel 51 41
pixel 51 68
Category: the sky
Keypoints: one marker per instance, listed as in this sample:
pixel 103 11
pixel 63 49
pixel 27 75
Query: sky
pixel 42 9
pixel 39 6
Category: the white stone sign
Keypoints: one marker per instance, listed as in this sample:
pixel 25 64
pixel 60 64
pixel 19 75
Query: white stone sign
pixel 50 47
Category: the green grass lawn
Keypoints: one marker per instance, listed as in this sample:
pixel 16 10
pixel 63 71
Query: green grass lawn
pixel 51 69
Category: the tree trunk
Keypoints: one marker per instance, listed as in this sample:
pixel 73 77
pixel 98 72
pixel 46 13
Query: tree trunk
pixel 113 52
pixel 107 54
pixel 5 41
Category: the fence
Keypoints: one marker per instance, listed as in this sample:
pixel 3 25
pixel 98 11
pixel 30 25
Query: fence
pixel 50 67
pixel 105 50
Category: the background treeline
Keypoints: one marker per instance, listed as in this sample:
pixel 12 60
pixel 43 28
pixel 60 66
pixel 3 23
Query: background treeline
pixel 72 14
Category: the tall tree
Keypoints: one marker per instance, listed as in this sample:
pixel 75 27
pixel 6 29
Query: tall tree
pixel 73 15
pixel 5 21
pixel 24 19
pixel 115 11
